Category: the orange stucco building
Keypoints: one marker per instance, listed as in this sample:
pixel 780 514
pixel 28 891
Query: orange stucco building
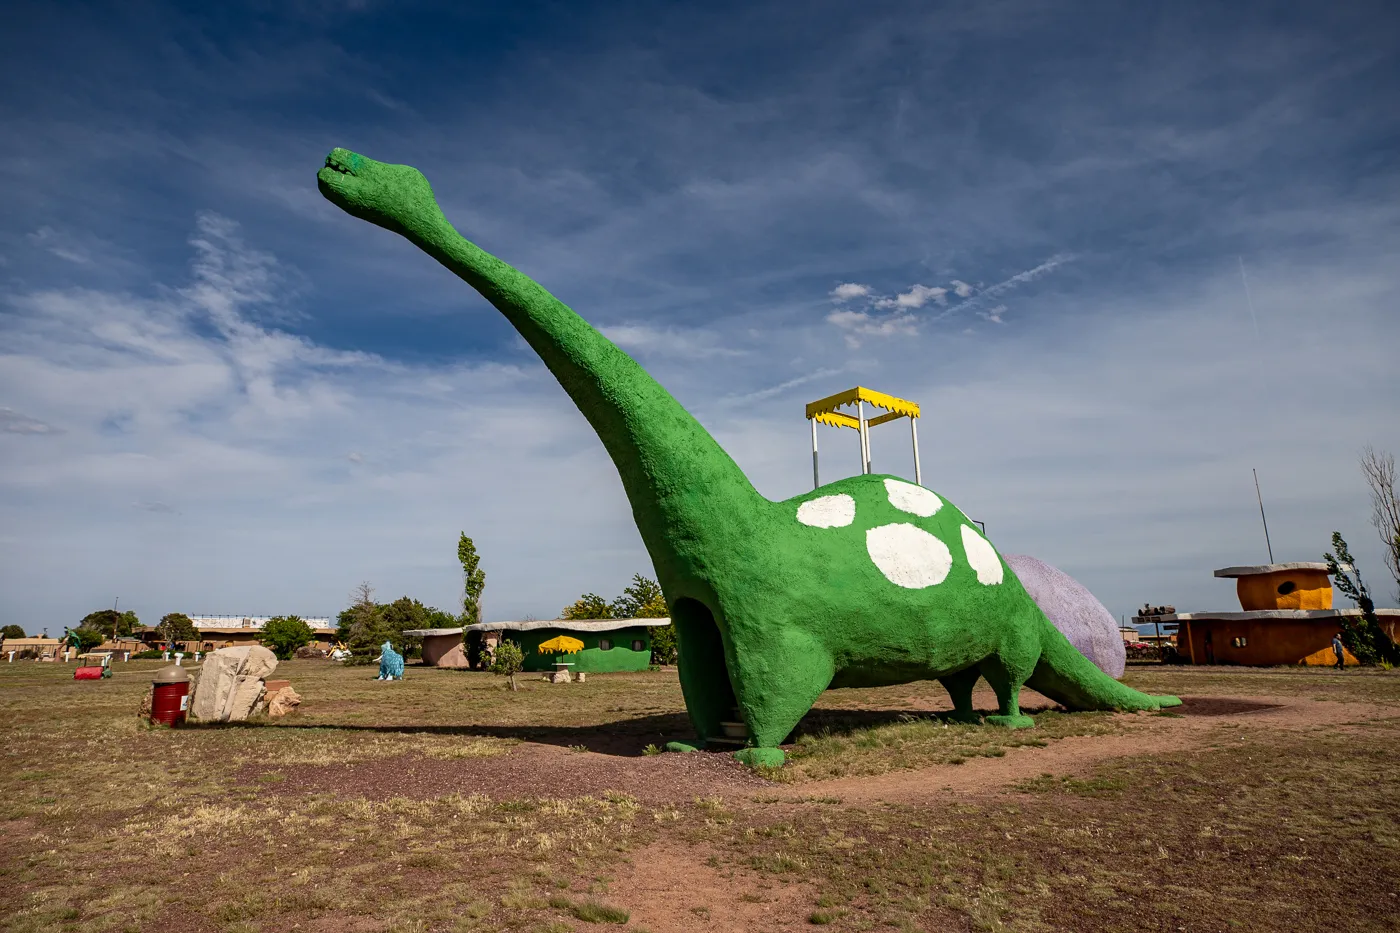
pixel 1286 617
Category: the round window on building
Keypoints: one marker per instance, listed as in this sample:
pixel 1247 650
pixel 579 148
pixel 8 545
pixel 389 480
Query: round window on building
pixel 604 644
pixel 1286 587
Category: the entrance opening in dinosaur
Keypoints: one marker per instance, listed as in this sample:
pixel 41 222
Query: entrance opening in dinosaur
pixel 704 673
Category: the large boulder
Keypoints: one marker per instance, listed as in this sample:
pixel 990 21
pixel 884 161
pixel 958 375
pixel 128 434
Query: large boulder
pixel 1075 611
pixel 231 683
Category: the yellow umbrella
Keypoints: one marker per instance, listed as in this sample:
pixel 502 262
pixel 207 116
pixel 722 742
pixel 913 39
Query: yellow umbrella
pixel 561 645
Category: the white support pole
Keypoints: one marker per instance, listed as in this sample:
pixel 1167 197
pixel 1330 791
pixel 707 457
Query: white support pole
pixel 865 437
pixel 914 435
pixel 816 477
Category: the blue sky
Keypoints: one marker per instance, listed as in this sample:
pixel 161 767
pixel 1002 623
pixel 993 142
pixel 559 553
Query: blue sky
pixel 220 394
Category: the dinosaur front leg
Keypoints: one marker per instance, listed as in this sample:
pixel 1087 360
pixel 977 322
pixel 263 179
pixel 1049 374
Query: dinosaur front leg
pixel 777 682
pixel 959 687
pixel 1006 675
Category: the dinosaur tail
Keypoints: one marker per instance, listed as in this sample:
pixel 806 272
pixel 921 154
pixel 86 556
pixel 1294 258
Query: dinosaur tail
pixel 1066 676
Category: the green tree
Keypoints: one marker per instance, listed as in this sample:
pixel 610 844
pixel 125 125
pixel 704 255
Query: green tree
pixel 644 600
pixel 1363 636
pixel 88 638
pixel 110 623
pixel 176 626
pixel 437 618
pixel 588 606
pixel 403 614
pixel 474 580
pixel 361 626
pixel 508 660
pixel 11 631
pixel 285 634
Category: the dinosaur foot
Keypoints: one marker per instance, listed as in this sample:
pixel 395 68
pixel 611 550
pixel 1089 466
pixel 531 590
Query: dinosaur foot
pixel 1164 702
pixel 1011 722
pixel 761 757
pixel 680 747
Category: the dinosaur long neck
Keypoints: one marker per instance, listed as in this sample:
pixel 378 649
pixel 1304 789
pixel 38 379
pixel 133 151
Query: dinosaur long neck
pixel 679 481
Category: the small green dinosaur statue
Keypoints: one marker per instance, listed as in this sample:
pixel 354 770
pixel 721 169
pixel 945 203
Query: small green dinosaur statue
pixel 867 581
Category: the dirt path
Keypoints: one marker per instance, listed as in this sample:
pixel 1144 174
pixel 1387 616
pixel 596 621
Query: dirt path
pixel 670 888
pixel 1203 720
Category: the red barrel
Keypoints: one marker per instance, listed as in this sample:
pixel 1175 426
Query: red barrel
pixel 88 673
pixel 170 697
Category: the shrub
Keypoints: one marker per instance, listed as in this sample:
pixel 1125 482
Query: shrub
pixel 508 660
pixel 285 634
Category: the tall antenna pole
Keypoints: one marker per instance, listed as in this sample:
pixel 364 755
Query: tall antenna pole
pixel 1261 515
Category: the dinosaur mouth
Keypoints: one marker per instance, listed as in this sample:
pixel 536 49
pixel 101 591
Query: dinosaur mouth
pixel 337 166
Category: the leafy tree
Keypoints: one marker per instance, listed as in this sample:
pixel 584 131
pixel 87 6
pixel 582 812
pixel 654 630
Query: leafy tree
pixel 474 580
pixel 285 634
pixel 508 660
pixel 176 626
pixel 437 618
pixel 1379 469
pixel 11 631
pixel 109 623
pixel 361 626
pixel 88 638
pixel 644 600
pixel 1363 636
pixel 588 606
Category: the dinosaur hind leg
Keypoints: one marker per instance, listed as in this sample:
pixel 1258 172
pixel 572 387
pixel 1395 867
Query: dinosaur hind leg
pixel 959 687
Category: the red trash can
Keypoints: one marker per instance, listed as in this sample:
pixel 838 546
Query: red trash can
pixel 170 697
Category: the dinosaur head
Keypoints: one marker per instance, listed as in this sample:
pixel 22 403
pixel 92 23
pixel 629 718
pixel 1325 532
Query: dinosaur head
pixel 395 197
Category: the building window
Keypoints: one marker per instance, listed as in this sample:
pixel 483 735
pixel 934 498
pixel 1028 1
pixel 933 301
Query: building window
pixel 1239 642
pixel 638 645
pixel 604 644
pixel 1286 587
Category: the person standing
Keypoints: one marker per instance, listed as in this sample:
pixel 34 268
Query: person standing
pixel 1337 650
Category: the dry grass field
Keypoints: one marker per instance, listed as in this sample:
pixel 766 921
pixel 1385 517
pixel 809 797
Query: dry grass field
pixel 1269 802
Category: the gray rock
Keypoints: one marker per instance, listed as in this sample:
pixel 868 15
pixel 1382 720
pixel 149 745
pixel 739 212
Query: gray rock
pixel 1073 610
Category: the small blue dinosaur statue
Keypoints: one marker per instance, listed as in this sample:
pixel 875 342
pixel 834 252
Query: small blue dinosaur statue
pixel 390 663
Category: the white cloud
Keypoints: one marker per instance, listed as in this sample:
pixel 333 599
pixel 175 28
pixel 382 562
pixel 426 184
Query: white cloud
pixel 846 291
pixel 993 314
pixel 50 239
pixel 15 423
pixel 961 289
pixel 873 324
pixel 916 297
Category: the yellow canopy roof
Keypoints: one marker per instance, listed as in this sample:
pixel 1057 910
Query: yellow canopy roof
pixel 824 410
pixel 561 644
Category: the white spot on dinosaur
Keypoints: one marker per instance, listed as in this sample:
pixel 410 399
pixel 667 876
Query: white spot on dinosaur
pixel 916 500
pixel 827 511
pixel 908 556
pixel 982 556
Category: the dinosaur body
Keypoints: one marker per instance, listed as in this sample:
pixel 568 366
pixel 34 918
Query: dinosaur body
pixel 869 580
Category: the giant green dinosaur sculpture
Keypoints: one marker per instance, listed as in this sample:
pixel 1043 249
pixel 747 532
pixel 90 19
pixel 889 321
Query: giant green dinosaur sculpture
pixel 867 581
